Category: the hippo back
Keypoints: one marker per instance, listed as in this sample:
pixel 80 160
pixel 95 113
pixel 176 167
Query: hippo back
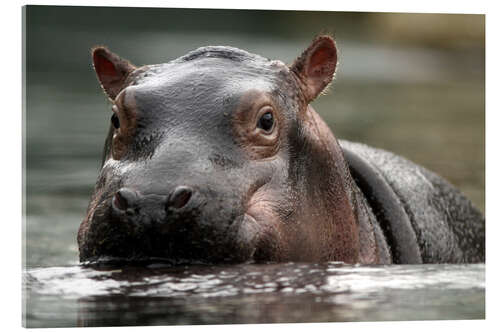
pixel 443 223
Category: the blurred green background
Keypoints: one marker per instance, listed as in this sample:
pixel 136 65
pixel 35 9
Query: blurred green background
pixel 409 83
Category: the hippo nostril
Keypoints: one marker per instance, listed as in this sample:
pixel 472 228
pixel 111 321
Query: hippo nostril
pixel 180 196
pixel 124 198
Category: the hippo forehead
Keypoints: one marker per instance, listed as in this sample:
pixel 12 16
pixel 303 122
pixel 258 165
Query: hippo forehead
pixel 207 80
pixel 219 57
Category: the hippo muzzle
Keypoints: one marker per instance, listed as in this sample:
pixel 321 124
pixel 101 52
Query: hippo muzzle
pixel 140 217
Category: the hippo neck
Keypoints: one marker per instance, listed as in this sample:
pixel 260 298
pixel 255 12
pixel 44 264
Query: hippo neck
pixel 351 236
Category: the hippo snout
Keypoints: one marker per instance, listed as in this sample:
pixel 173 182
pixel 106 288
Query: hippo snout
pixel 135 224
pixel 178 225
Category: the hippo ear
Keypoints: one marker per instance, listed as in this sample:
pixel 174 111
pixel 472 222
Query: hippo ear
pixel 111 70
pixel 316 66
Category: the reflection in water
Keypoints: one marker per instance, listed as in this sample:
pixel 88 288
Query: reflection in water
pixel 292 292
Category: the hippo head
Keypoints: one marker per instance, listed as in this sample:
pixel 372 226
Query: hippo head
pixel 218 157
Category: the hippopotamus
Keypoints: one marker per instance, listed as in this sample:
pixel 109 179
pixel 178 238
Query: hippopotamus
pixel 218 157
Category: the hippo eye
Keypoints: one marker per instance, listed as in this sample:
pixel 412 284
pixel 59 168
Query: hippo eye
pixel 266 121
pixel 115 121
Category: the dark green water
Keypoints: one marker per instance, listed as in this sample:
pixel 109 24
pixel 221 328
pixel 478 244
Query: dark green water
pixel 421 97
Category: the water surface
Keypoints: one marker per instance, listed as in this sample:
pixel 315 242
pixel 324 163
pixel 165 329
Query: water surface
pixel 266 293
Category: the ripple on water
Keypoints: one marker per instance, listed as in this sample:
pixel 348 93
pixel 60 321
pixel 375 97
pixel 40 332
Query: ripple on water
pixel 261 293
